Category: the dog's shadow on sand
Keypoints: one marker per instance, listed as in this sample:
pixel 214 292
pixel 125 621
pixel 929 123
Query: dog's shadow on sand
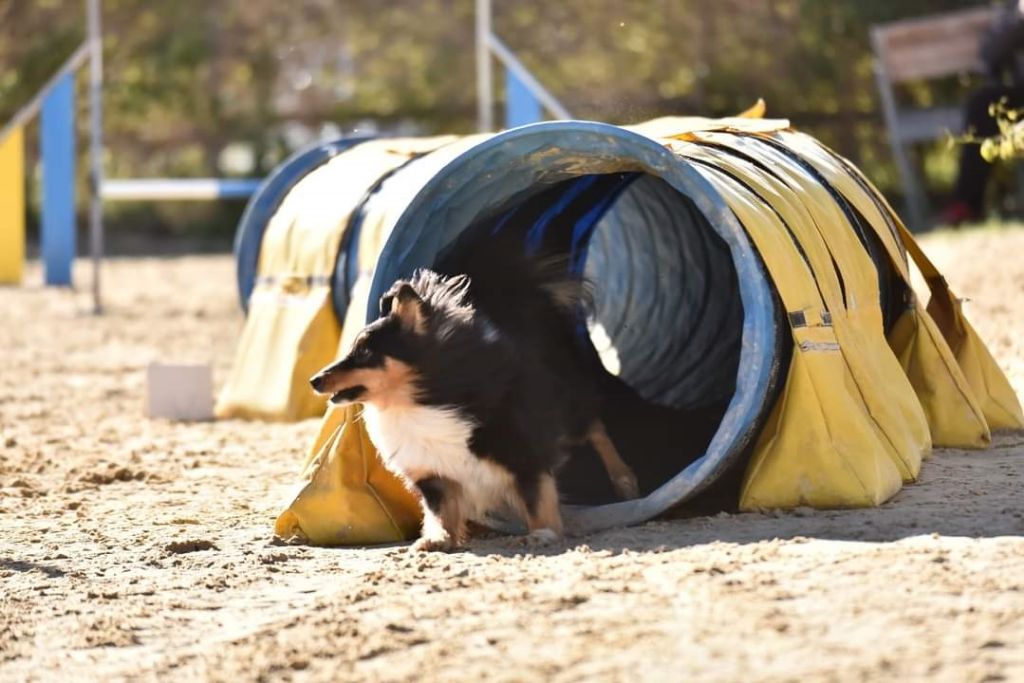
pixel 10 564
pixel 959 493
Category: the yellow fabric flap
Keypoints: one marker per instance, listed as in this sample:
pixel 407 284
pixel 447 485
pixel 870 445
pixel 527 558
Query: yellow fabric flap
pixel 844 274
pixel 821 445
pixel 682 127
pixel 346 496
pixel 954 416
pixel 950 400
pixel 287 337
pixel 993 390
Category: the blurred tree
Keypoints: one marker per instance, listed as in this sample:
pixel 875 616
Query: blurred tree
pixel 189 79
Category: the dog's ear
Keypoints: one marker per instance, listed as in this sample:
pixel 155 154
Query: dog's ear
pixel 387 301
pixel 405 303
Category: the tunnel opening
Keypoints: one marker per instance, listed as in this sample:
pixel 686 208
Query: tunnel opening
pixel 665 325
pixel 687 327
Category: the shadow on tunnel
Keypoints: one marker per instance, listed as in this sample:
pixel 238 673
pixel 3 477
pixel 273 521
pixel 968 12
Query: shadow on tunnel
pixel 657 441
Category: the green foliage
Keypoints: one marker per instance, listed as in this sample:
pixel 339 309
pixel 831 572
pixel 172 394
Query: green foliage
pixel 185 79
pixel 1008 144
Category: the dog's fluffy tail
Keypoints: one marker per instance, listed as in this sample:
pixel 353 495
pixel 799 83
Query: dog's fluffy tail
pixel 499 270
pixel 552 275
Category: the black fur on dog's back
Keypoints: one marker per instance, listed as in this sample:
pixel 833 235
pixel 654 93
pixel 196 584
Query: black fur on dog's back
pixel 505 329
pixel 536 305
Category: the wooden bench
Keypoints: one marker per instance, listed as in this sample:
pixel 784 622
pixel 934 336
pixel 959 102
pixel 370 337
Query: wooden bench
pixel 922 49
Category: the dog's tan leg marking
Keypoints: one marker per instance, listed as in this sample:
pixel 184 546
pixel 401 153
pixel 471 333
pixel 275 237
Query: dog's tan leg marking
pixel 545 520
pixel 622 476
pixel 444 528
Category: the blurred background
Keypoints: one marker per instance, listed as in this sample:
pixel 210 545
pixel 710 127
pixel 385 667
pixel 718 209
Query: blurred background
pixel 230 87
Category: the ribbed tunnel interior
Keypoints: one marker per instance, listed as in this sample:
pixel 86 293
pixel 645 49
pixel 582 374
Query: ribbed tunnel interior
pixel 667 316
pixel 666 322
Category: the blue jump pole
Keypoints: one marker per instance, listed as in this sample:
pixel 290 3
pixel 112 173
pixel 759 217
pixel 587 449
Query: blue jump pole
pixel 521 107
pixel 57 133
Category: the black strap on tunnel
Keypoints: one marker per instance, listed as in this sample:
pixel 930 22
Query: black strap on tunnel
pixel 782 220
pixel 348 257
pixel 890 296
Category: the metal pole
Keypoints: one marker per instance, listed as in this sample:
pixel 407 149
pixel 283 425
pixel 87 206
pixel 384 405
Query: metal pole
pixel 96 149
pixel 512 63
pixel 484 84
pixel 22 116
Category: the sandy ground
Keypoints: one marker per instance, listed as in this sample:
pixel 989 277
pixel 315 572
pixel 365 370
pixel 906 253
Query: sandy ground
pixel 139 549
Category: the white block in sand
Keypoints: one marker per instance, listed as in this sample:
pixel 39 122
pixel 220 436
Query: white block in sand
pixel 179 392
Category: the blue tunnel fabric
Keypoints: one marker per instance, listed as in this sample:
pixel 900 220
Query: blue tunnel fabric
pixel 627 233
pixel 669 301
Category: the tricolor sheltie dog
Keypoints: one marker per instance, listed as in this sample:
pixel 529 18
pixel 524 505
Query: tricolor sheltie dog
pixel 474 388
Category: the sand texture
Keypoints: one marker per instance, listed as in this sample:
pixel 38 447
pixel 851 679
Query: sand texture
pixel 140 549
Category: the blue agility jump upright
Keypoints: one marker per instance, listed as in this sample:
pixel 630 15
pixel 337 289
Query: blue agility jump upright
pixel 58 156
pixel 521 107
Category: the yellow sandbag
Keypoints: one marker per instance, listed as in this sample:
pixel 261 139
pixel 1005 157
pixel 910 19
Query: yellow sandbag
pixel 999 401
pixel 954 417
pixel 820 446
pixel 825 234
pixel 346 496
pixel 996 396
pixel 291 330
pixel 874 376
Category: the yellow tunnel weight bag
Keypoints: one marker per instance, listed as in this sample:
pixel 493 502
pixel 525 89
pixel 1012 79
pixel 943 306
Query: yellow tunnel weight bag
pixel 858 411
pixel 345 495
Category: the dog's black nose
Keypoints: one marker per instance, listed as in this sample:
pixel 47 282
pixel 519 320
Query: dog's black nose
pixel 317 382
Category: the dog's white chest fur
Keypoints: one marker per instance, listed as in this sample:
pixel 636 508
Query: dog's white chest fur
pixel 423 441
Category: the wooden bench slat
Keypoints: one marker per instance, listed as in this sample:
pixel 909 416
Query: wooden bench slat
pixel 932 47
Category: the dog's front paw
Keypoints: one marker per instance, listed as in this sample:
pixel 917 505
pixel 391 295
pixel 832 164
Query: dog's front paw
pixel 626 486
pixel 539 537
pixel 434 544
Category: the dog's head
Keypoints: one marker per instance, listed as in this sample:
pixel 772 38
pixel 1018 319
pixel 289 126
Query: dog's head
pixel 383 365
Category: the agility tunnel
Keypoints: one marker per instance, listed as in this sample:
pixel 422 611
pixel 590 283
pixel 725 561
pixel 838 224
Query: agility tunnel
pixel 753 312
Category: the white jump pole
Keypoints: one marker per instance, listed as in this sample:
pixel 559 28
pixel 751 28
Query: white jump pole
pixel 96 149
pixel 484 82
